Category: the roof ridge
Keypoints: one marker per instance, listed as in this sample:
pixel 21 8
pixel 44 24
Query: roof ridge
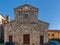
pixel 26 5
pixel 2 15
pixel 43 21
pixel 53 30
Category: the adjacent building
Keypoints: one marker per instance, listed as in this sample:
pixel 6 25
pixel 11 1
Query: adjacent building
pixel 53 34
pixel 26 28
pixel 2 19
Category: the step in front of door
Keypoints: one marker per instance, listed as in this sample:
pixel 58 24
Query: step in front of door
pixel 26 44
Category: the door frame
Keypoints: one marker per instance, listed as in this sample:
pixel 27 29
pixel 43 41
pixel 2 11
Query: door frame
pixel 10 37
pixel 24 38
pixel 41 39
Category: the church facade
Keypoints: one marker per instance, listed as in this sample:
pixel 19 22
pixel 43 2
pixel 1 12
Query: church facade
pixel 26 28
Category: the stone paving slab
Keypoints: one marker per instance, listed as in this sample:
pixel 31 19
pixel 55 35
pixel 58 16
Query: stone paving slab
pixel 1 44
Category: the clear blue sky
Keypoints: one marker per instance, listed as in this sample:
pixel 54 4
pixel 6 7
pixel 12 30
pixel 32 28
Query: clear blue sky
pixel 49 10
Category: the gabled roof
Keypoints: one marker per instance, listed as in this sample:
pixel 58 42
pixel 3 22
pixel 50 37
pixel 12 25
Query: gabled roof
pixel 2 15
pixel 26 5
pixel 43 22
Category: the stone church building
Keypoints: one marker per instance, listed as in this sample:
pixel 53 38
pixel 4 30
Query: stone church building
pixel 26 28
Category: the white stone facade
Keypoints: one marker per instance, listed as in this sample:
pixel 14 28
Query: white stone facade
pixel 32 26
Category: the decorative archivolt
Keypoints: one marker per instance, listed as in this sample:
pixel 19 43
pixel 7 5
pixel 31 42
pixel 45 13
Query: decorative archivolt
pixel 24 27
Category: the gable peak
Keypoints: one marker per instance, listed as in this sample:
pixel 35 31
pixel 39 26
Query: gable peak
pixel 26 5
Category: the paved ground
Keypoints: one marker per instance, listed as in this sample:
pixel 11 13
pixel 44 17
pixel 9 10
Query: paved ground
pixel 1 44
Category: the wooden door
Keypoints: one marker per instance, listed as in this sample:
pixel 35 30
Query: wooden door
pixel 41 39
pixel 10 38
pixel 26 38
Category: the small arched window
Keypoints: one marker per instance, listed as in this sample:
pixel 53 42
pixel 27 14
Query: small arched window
pixel 25 15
